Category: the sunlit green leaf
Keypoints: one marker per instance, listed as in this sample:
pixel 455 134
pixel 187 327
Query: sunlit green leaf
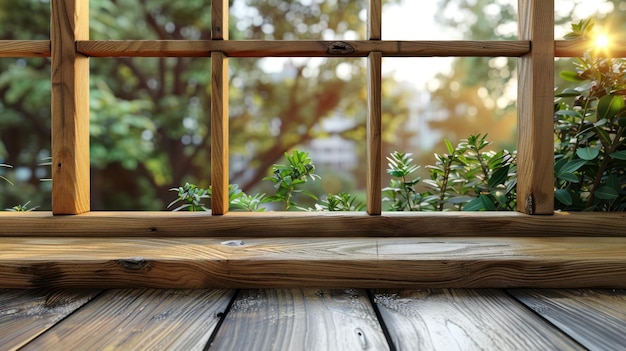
pixel 571 76
pixel 609 105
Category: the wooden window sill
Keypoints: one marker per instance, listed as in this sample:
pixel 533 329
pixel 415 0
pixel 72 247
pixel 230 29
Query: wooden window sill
pixel 243 250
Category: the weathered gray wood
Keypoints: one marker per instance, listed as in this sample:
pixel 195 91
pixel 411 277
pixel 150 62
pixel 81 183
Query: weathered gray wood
pixel 595 318
pixel 291 319
pixel 25 314
pixel 436 319
pixel 139 320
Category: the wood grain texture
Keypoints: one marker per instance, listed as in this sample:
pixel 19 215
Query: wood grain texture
pixel 301 48
pixel 219 133
pixel 577 48
pixel 374 19
pixel 219 19
pixel 323 224
pixel 301 320
pixel 374 134
pixel 313 262
pixel 594 318
pixel 139 320
pixel 535 101
pixel 24 48
pixel 26 314
pixel 70 108
pixel 458 319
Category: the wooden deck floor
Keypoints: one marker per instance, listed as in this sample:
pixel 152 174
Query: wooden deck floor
pixel 313 319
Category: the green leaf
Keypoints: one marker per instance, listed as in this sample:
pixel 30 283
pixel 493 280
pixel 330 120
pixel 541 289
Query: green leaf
pixel 569 92
pixel 606 193
pixel 570 113
pixel 460 199
pixel 498 177
pixel 474 205
pixel 620 155
pixel 563 196
pixel 449 146
pixel 588 153
pixel 609 105
pixel 571 76
pixel 487 203
pixel 569 177
pixel 572 166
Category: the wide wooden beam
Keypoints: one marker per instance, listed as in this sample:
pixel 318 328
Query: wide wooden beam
pixel 322 224
pixel 313 262
pixel 535 159
pixel 70 107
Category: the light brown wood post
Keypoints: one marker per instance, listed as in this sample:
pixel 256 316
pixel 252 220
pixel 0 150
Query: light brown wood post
pixel 70 107
pixel 535 168
pixel 374 102
pixel 219 111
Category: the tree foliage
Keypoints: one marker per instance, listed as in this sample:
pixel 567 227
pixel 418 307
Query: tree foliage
pixel 150 116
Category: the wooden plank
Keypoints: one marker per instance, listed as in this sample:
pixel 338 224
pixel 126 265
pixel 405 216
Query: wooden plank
pixel 219 19
pixel 313 262
pixel 301 48
pixel 24 48
pixel 535 107
pixel 219 133
pixel 139 320
pixel 294 319
pixel 70 107
pixel 203 48
pixel 374 19
pixel 26 314
pixel 322 224
pixel 576 48
pixel 442 319
pixel 374 134
pixel 594 318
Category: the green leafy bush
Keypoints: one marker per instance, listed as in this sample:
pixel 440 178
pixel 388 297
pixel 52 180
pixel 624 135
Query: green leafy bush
pixel 590 126
pixel 468 177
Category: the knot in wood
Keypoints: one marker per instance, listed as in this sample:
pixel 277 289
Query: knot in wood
pixel 135 264
pixel 340 48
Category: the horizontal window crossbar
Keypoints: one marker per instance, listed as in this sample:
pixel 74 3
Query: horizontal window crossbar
pixel 300 48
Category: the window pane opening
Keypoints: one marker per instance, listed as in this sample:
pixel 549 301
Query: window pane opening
pixel 297 20
pixel 150 20
pixel 25 134
pixel 314 105
pixel 149 130
pixel 454 100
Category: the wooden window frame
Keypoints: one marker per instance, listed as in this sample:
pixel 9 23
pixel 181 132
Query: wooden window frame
pixel 529 234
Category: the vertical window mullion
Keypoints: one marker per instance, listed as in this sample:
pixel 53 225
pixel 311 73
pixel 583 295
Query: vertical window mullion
pixel 70 107
pixel 219 111
pixel 374 112
pixel 535 165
